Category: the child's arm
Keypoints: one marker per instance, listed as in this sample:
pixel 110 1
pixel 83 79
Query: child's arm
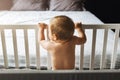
pixel 81 38
pixel 41 36
pixel 42 27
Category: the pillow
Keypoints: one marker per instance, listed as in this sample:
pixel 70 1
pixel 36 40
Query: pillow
pixel 30 5
pixel 66 5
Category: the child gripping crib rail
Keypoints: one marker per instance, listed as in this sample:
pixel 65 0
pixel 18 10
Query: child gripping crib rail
pixel 61 45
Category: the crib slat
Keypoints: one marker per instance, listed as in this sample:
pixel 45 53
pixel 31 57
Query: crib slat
pixel 102 65
pixel 48 55
pixel 81 57
pixel 93 49
pixel 114 53
pixel 48 61
pixel 26 48
pixel 15 48
pixel 102 62
pixel 37 49
pixel 4 48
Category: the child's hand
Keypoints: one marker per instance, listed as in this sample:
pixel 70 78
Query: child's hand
pixel 78 25
pixel 42 25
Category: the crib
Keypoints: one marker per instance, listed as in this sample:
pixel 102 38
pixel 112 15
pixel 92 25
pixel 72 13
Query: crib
pixel 91 73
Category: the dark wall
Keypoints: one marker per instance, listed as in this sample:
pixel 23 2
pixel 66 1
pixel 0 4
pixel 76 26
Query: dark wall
pixel 106 10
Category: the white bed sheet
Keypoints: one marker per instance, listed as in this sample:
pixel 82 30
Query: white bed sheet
pixel 34 17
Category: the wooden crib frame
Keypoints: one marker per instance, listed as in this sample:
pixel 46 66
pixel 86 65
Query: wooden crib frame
pixel 29 74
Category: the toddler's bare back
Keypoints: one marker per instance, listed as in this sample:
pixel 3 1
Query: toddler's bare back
pixel 63 55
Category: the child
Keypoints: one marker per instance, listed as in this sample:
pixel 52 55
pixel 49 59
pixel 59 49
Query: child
pixel 61 45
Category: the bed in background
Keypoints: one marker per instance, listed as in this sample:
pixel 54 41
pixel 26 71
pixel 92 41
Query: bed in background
pixel 20 18
pixel 30 13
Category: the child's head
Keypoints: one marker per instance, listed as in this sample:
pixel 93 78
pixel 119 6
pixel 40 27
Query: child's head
pixel 62 27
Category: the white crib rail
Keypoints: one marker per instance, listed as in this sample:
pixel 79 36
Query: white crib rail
pixel 4 48
pixel 14 28
pixel 106 27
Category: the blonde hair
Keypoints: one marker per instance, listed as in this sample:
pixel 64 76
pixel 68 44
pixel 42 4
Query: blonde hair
pixel 62 26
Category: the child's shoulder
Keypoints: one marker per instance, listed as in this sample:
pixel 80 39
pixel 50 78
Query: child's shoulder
pixel 47 44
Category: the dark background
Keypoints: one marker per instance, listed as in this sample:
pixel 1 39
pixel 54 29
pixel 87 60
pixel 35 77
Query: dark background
pixel 107 11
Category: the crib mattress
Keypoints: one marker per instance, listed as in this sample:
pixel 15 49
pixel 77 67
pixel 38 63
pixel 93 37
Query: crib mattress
pixel 34 17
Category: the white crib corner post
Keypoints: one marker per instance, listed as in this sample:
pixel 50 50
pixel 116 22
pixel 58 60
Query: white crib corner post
pixel 114 53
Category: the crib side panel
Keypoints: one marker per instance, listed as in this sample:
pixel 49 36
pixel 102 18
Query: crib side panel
pixel 94 28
